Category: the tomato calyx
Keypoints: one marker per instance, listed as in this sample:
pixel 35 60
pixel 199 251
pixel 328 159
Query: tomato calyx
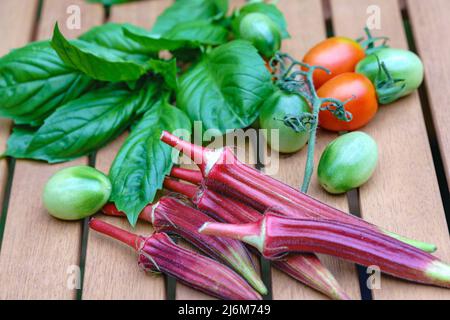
pixel 389 89
pixel 369 44
pixel 301 123
pixel 337 108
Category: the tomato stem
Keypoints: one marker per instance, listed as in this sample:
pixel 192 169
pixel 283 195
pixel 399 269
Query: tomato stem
pixel 301 82
pixel 369 44
pixel 309 167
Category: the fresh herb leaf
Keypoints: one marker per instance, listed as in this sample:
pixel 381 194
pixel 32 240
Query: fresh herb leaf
pixel 143 161
pixel 269 10
pixel 152 42
pixel 83 125
pixel 98 62
pixel 184 36
pixel 198 32
pixel 34 81
pixel 226 88
pixel 111 36
pixel 19 140
pixel 167 70
pixel 189 10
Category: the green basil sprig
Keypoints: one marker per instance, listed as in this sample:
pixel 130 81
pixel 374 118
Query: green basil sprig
pixel 143 161
pixel 83 125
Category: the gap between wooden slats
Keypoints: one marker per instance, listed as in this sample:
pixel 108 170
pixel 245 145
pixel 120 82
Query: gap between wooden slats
pixel 111 270
pixel 403 195
pixel 306 24
pixel 427 22
pixel 39 253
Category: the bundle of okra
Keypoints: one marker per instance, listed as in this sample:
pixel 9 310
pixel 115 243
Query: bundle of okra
pixel 228 206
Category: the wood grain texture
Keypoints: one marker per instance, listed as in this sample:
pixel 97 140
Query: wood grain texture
pixel 429 19
pixel 18 18
pixel 306 26
pixel 111 270
pixel 403 195
pixel 38 251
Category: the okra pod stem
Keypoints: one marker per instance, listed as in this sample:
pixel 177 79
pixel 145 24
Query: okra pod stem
pixel 159 253
pixel 171 215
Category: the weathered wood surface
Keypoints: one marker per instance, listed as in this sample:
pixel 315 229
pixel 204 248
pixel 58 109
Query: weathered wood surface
pixel 111 270
pixel 403 195
pixel 39 253
pixel 20 23
pixel 430 25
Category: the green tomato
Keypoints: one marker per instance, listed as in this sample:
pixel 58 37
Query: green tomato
pixel 347 162
pixel 273 112
pixel 77 192
pixel 403 74
pixel 262 32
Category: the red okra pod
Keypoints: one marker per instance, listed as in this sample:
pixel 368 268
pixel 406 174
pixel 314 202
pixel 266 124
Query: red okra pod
pixel 304 267
pixel 224 173
pixel 172 215
pixel 159 253
pixel 192 176
pixel 275 235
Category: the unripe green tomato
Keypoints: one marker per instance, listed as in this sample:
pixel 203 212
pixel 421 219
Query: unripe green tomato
pixel 274 110
pixel 262 32
pixel 347 162
pixel 77 192
pixel 402 65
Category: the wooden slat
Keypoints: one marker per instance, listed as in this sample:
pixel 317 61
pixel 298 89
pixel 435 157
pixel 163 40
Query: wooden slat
pixel 403 195
pixel 111 270
pixel 306 26
pixel 38 251
pixel 247 154
pixel 429 20
pixel 18 18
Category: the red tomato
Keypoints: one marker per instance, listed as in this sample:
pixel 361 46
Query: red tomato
pixel 337 54
pixel 363 107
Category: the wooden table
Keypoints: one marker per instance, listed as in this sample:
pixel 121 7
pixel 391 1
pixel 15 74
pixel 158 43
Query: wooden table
pixel 42 258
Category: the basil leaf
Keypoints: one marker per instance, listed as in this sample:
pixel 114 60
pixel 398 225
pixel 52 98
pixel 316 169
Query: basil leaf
pixel 226 88
pixel 85 124
pixel 111 36
pixel 34 81
pixel 167 69
pixel 152 42
pixel 198 32
pixel 18 141
pixel 184 36
pixel 269 10
pixel 143 161
pixel 189 10
pixel 98 62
